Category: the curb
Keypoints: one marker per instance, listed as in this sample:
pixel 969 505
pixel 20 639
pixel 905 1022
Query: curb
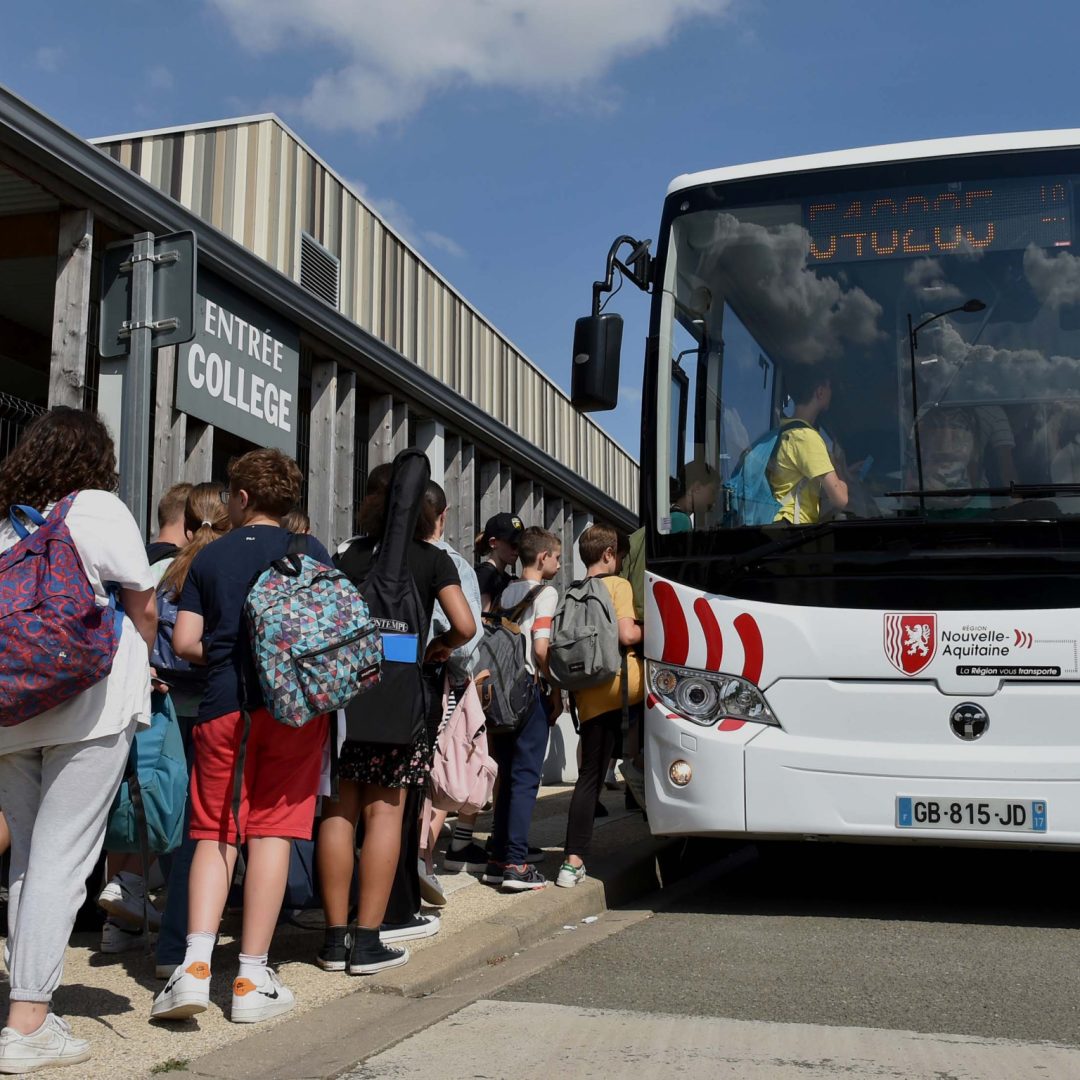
pixel 631 873
pixel 300 1046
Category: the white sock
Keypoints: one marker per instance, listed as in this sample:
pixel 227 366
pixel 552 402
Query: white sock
pixel 252 967
pixel 200 947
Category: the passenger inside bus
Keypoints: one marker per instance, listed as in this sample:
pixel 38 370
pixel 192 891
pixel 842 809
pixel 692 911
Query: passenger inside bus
pixel 803 468
pixel 693 498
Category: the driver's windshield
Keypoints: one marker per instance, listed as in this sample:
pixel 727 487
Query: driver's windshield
pixel 881 353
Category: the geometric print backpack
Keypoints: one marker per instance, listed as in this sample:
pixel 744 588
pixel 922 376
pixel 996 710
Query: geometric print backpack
pixel 314 645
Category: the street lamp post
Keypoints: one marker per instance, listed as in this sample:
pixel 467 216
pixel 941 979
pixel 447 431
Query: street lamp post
pixel 970 306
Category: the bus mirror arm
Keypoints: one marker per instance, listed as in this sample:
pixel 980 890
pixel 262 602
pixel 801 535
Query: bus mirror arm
pixel 637 267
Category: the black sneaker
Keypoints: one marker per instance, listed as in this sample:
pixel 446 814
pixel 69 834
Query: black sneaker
pixel 334 954
pixel 369 956
pixel 522 878
pixel 472 858
pixel 493 873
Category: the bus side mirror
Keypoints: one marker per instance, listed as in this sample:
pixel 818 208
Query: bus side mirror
pixel 594 382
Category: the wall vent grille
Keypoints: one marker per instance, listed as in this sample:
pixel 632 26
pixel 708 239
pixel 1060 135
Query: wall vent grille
pixel 320 272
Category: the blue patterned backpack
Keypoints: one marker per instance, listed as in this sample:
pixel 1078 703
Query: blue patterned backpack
pixel 314 645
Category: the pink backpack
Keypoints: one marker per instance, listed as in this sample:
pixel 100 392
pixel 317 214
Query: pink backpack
pixel 463 773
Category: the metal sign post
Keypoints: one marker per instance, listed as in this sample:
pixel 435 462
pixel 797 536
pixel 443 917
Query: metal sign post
pixel 147 301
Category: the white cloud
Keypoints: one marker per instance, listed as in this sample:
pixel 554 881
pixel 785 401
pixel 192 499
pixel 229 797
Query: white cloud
pixel 439 242
pixel 161 78
pixel 49 57
pixel 385 58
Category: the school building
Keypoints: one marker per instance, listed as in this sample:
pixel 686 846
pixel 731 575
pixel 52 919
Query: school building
pixel 317 329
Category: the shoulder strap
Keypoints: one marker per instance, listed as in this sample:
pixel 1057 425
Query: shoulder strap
pixel 518 610
pixel 31 515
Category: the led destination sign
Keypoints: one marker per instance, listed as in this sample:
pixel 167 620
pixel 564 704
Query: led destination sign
pixel 921 222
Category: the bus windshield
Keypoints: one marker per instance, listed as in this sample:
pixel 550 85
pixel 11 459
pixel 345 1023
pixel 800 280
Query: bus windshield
pixel 911 351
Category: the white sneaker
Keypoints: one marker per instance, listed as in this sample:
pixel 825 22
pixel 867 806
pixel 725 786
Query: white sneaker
pixel 570 875
pixel 431 891
pixel 51 1045
pixel 164 971
pixel 262 1000
pixel 419 926
pixel 186 994
pixel 116 937
pixel 124 896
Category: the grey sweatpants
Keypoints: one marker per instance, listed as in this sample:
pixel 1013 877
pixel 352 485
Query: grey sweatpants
pixel 56 800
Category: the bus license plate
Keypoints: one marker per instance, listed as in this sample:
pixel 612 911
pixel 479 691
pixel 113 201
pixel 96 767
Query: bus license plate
pixel 976 815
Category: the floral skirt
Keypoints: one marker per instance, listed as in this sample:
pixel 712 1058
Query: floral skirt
pixel 386 765
pixel 392 766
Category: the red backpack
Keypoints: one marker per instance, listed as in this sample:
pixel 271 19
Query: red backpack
pixel 55 639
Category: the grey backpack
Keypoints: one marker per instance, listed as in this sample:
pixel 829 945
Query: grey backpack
pixel 503 681
pixel 584 646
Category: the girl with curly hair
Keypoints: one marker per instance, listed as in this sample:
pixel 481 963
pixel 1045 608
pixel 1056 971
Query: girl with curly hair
pixel 60 770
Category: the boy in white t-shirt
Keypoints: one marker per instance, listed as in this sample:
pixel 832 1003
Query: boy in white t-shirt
pixel 521 755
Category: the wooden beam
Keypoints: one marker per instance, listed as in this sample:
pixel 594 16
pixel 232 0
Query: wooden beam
pixel 170 430
pixel 322 466
pixel 524 505
pixel 199 452
pixel 344 457
pixel 506 490
pixel 71 308
pixel 388 429
pixel 490 491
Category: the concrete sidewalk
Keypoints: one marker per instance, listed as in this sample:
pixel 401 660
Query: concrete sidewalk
pixel 107 998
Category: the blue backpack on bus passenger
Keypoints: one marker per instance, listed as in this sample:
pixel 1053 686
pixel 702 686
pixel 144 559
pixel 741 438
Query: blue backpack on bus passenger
pixel 748 495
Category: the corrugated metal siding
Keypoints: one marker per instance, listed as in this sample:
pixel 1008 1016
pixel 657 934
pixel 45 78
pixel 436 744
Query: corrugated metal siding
pixel 258 184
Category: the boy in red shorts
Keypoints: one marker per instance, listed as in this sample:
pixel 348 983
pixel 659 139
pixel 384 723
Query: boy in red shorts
pixel 282 765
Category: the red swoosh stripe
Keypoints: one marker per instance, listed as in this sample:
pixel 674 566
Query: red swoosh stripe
pixel 676 634
pixel 714 640
pixel 753 650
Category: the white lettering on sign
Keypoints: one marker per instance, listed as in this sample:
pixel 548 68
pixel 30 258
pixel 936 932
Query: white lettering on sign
pixel 243 390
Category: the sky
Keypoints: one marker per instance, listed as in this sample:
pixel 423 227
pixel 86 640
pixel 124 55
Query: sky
pixel 511 141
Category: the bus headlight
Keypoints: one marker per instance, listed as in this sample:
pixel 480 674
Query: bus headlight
pixel 706 698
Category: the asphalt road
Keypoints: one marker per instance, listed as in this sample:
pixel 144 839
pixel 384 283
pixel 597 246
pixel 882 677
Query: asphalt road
pixel 806 960
pixel 973 942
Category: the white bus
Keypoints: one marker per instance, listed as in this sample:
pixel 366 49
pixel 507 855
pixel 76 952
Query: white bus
pixel 889 340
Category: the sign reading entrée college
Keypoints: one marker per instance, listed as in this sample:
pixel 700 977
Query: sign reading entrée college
pixel 242 370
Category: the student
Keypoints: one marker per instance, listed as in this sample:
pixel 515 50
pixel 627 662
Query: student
pixel 376 779
pixel 60 770
pixel 170 515
pixel 600 708
pixel 521 755
pixel 802 469
pixel 497 549
pixel 296 521
pixel 694 498
pixel 206 519
pixel 124 896
pixel 459 667
pixel 282 765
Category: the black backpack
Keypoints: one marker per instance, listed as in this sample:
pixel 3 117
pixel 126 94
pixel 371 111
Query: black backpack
pixel 394 712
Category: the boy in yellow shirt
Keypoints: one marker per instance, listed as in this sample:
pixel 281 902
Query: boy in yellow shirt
pixel 802 468
pixel 599 708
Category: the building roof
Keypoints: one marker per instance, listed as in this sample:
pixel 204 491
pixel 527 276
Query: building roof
pixel 42 147
pixel 256 118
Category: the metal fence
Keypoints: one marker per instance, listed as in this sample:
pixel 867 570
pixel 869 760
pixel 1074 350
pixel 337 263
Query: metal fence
pixel 15 414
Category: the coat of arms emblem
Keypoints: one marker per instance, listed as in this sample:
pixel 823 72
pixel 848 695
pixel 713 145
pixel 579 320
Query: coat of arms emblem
pixel 910 641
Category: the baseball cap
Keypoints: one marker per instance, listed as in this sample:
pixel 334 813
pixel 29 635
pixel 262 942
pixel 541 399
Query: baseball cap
pixel 508 527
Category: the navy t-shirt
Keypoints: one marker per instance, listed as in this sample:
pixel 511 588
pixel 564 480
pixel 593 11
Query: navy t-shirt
pixel 216 588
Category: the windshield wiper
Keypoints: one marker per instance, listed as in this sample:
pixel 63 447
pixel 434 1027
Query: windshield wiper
pixel 1013 491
